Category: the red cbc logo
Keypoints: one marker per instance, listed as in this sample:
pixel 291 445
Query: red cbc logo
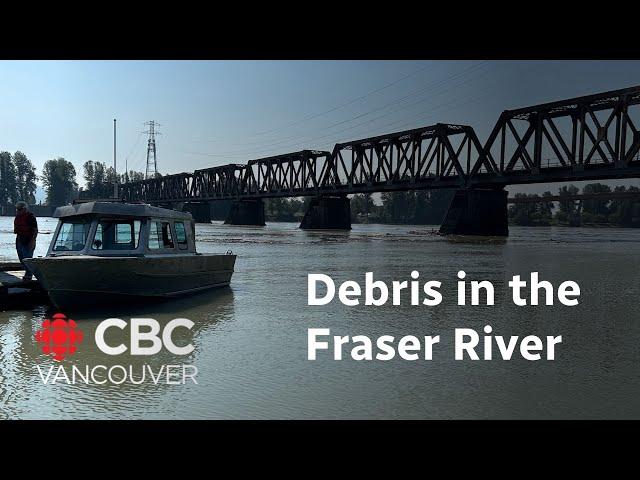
pixel 59 336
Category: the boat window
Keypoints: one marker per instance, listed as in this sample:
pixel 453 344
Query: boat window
pixel 181 235
pixel 160 236
pixel 116 235
pixel 71 237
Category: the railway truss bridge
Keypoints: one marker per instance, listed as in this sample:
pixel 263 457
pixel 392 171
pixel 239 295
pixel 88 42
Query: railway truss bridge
pixel 592 137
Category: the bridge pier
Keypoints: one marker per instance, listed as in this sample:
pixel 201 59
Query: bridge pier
pixel 220 209
pixel 200 211
pixel 477 212
pixel 246 212
pixel 328 213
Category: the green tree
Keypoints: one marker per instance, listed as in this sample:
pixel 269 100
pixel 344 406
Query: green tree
pixel 598 206
pixel 398 207
pixel 548 206
pixel 537 213
pixel 520 213
pixel 131 176
pixel 89 172
pixel 284 209
pixel 362 206
pixel 111 176
pixel 419 207
pixel 99 178
pixel 434 210
pixel 94 176
pixel 59 180
pixel 625 211
pixel 8 190
pixel 25 178
pixel 569 211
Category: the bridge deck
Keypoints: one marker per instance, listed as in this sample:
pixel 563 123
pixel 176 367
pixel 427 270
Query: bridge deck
pixel 593 137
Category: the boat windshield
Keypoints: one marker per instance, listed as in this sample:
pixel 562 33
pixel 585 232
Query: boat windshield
pixel 72 236
pixel 113 234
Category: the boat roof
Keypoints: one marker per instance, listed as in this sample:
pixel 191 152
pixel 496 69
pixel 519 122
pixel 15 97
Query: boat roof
pixel 119 209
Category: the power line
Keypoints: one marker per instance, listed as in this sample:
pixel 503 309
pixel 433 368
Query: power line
pixel 345 104
pixel 140 162
pixel 137 142
pixel 403 102
pixel 420 118
pixel 135 145
pixel 432 112
pixel 429 87
pixel 137 161
pixel 338 107
pixel 307 138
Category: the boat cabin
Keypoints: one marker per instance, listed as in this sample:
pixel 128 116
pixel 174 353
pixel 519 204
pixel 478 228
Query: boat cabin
pixel 121 229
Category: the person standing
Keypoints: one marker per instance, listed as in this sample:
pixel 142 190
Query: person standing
pixel 25 226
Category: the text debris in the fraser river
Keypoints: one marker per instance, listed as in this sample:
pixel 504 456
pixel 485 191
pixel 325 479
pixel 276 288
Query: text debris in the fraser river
pixel 468 343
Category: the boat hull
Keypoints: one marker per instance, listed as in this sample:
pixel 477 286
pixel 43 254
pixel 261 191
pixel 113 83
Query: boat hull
pixel 80 281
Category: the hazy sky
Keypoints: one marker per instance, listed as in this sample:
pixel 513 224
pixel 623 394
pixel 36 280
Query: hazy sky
pixel 217 112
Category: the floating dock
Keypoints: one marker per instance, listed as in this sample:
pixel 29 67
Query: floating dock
pixel 15 290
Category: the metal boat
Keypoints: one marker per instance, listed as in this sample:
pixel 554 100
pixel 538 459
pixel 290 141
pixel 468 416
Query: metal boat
pixel 104 252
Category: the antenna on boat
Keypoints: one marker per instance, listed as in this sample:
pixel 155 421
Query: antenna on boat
pixel 115 171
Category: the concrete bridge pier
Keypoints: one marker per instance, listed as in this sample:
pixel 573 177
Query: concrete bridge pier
pixel 201 211
pixel 328 213
pixel 246 212
pixel 477 211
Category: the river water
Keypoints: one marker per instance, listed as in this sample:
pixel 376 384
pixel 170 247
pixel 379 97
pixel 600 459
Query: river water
pixel 251 338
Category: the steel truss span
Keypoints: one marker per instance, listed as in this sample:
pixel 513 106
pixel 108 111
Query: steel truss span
pixel 585 138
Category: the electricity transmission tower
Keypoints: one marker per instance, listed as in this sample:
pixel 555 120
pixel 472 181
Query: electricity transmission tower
pixel 152 163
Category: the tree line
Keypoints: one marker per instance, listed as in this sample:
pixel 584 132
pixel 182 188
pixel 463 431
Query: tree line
pixel 624 212
pixel 99 179
pixel 420 207
pixel 18 179
pixel 429 207
pixel 423 207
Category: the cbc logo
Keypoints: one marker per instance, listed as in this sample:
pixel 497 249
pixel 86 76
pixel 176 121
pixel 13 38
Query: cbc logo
pixel 144 330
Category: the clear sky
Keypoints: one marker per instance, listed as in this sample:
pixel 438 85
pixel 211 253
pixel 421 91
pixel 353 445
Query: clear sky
pixel 217 112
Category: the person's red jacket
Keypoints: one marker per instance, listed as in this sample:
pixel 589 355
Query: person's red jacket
pixel 25 227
